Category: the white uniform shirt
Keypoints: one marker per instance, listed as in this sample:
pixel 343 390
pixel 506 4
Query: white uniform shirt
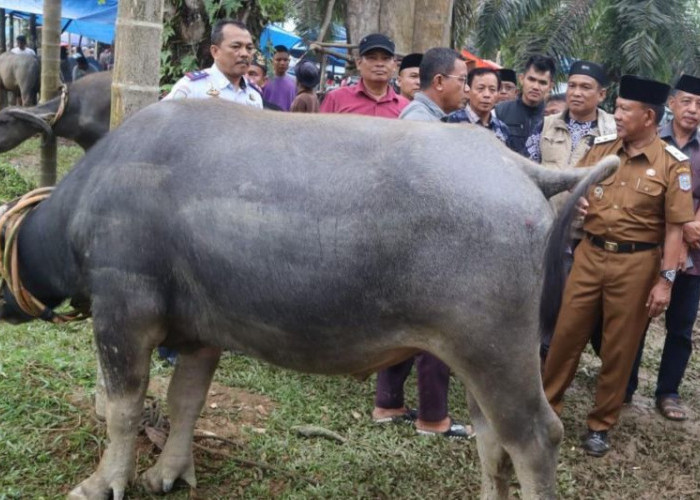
pixel 27 50
pixel 216 85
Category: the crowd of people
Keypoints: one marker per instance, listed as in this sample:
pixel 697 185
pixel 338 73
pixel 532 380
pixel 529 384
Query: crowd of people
pixel 635 251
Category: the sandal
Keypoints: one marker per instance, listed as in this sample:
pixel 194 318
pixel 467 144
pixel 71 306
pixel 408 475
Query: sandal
pixel 410 415
pixel 671 408
pixel 456 431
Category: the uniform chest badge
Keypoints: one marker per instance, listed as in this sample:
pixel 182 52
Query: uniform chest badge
pixel 651 172
pixel 212 92
pixel 598 192
pixel 250 96
pixel 684 182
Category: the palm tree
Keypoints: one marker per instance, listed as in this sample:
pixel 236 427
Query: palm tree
pixel 653 38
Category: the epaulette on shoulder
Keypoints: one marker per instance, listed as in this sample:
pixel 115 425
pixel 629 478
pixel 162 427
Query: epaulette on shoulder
pixel 196 75
pixel 676 153
pixel 602 139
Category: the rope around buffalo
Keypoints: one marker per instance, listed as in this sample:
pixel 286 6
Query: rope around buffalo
pixel 10 223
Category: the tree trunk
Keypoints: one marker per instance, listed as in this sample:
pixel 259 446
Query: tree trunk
pixel 396 22
pixel 414 25
pixel 135 79
pixel 362 18
pixel 50 81
pixel 3 40
pixel 432 24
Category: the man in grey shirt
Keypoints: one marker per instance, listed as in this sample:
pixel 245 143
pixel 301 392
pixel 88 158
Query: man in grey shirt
pixel 443 82
pixel 443 77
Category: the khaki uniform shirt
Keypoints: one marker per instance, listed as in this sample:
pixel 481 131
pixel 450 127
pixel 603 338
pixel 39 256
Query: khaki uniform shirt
pixel 649 190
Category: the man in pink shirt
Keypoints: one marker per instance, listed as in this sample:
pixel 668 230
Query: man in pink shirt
pixel 372 96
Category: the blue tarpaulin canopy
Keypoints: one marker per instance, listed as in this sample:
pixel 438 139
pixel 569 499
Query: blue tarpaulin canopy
pixel 91 18
pixel 274 35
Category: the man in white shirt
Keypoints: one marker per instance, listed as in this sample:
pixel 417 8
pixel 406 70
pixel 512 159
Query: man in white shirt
pixel 22 47
pixel 232 49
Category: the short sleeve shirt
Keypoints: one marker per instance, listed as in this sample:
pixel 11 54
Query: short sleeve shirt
pixel 356 99
pixel 648 190
pixel 214 84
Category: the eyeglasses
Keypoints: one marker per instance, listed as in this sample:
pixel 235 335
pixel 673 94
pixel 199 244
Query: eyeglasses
pixel 461 79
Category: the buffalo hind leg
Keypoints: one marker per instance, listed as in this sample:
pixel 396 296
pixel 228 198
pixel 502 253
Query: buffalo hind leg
pixel 187 393
pixel 125 397
pixel 511 416
pixel 496 467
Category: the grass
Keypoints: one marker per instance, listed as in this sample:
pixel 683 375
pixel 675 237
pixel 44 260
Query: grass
pixel 49 440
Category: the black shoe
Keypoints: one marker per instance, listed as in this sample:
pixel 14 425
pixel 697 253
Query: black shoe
pixel 596 443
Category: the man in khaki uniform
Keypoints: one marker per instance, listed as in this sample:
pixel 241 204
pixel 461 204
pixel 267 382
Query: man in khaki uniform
pixel 615 274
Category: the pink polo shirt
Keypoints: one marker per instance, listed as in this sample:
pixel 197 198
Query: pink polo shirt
pixel 355 99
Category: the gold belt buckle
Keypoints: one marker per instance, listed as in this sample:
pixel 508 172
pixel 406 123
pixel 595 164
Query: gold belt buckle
pixel 610 246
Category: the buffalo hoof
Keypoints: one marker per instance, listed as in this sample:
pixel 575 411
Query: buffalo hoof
pixel 95 487
pixel 162 476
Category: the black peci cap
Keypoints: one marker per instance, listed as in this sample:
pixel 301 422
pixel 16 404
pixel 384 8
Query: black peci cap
pixel 376 41
pixel 281 48
pixel 307 74
pixel 507 75
pixel 588 68
pixel 410 61
pixel 688 83
pixel 643 90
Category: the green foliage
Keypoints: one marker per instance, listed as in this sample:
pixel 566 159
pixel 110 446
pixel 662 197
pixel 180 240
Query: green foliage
pixel 654 38
pixel 179 55
pixel 12 184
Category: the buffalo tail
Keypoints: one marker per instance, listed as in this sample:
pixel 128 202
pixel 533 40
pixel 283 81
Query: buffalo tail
pixel 558 240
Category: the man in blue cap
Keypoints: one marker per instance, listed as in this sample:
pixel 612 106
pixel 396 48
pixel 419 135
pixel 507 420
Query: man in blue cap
pixel 624 268
pixel 681 133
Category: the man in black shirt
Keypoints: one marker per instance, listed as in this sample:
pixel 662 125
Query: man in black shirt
pixel 524 115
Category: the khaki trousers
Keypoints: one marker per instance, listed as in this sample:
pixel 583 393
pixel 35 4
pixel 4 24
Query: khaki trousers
pixel 615 286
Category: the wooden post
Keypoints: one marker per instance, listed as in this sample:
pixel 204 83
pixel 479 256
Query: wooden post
pixel 135 84
pixel 33 40
pixel 11 41
pixel 3 39
pixel 139 31
pixel 50 81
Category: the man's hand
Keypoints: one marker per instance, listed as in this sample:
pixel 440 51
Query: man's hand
pixel 659 298
pixel 691 233
pixel 582 207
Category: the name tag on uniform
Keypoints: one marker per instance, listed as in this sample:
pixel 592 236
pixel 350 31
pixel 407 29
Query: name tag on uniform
pixel 676 153
pixel 196 75
pixel 605 138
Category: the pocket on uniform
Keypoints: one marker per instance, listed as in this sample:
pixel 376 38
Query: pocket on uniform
pixel 647 196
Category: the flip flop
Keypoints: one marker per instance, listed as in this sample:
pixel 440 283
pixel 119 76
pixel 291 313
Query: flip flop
pixel 456 431
pixel 410 415
pixel 671 409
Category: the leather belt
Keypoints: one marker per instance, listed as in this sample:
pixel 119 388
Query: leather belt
pixel 618 246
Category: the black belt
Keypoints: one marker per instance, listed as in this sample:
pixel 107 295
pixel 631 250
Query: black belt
pixel 620 247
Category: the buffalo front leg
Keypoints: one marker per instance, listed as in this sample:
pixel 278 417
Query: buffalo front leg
pixel 187 393
pixel 126 385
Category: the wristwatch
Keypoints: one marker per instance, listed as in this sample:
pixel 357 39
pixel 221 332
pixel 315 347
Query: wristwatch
pixel 669 275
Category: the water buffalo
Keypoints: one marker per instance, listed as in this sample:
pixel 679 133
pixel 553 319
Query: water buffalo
pixel 19 73
pixel 342 245
pixel 84 119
